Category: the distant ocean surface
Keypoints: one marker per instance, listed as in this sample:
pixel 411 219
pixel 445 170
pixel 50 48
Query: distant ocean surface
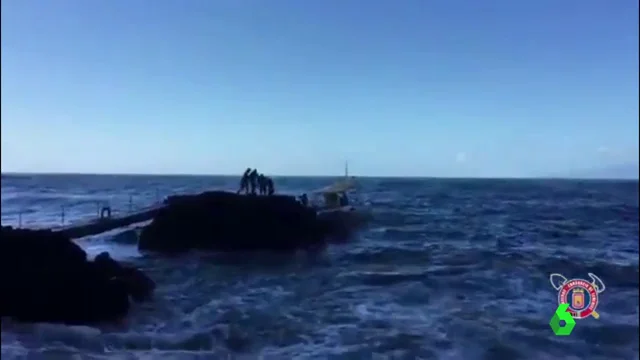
pixel 449 269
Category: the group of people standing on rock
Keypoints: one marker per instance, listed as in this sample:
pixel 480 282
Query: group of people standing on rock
pixel 252 181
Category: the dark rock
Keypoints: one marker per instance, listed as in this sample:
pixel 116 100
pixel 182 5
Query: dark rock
pixel 46 277
pixel 138 285
pixel 228 222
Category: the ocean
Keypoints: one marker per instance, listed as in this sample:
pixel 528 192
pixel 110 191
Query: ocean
pixel 448 269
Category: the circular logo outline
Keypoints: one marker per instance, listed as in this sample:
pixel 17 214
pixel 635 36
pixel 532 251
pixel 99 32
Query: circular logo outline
pixel 579 284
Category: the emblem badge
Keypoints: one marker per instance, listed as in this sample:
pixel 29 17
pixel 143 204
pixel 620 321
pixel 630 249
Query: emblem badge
pixel 581 296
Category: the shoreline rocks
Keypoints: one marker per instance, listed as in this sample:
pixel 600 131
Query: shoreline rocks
pixel 46 277
pixel 228 222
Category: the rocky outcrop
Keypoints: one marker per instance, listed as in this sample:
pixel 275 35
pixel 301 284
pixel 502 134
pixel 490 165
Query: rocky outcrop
pixel 228 222
pixel 46 277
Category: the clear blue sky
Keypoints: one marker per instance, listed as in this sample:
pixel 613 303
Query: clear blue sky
pixel 410 87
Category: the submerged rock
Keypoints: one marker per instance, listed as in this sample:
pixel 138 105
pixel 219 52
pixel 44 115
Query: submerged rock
pixel 228 222
pixel 128 237
pixel 46 277
pixel 139 286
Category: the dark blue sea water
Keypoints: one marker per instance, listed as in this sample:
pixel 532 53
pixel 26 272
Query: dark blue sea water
pixel 449 269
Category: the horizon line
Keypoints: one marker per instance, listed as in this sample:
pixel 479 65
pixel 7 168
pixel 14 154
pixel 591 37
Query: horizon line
pixel 11 173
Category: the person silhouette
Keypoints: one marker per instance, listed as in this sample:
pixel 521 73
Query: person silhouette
pixel 253 179
pixel 262 184
pixel 270 188
pixel 244 181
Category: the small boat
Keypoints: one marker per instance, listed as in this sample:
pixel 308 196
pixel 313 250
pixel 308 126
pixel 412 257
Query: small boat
pixel 340 204
pixel 336 197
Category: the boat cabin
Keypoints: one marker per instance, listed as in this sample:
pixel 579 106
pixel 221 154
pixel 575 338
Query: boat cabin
pixel 335 200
